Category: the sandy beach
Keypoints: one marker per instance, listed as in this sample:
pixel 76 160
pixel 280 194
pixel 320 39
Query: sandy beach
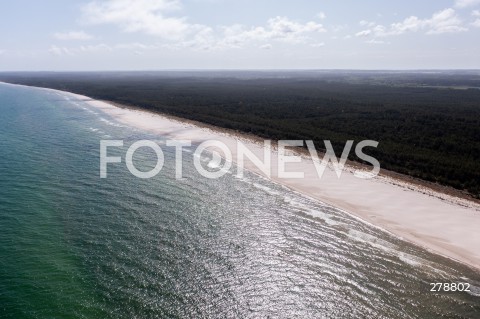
pixel 437 222
pixel 440 223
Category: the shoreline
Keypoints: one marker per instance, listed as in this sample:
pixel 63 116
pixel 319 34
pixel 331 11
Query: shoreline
pixel 439 222
pixel 442 192
pixel 436 243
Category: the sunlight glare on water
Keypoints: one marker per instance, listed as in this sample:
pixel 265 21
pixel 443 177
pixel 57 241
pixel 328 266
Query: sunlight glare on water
pixel 75 245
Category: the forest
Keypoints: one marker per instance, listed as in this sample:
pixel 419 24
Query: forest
pixel 427 123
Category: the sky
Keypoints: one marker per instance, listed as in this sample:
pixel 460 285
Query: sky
pixel 59 35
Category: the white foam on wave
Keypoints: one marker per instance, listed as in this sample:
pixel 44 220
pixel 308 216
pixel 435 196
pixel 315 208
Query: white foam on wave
pixel 109 122
pixel 202 159
pixel 213 164
pixel 364 175
pixel 324 216
pixel 266 189
pixel 410 259
pixel 474 290
pixel 393 249
pixel 307 209
pixel 259 186
pixel 89 110
pixel 373 241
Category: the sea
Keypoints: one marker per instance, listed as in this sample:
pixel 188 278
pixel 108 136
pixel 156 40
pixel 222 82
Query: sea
pixel 74 245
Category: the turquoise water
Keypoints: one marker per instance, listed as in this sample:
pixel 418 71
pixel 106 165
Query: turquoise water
pixel 73 245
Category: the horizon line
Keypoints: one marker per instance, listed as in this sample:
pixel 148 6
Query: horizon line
pixel 246 70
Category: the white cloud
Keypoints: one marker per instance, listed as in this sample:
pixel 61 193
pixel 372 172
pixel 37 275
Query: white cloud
pixel 410 24
pixel 278 28
pixel 75 51
pixel 95 48
pixel 59 51
pixel 476 23
pixel 318 45
pixel 282 27
pixel 365 23
pixel 379 29
pixel 136 46
pixel 321 15
pixel 267 46
pixel 445 21
pixel 155 17
pixel 466 3
pixel 72 35
pixel 237 36
pixel 363 33
pixel 147 16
